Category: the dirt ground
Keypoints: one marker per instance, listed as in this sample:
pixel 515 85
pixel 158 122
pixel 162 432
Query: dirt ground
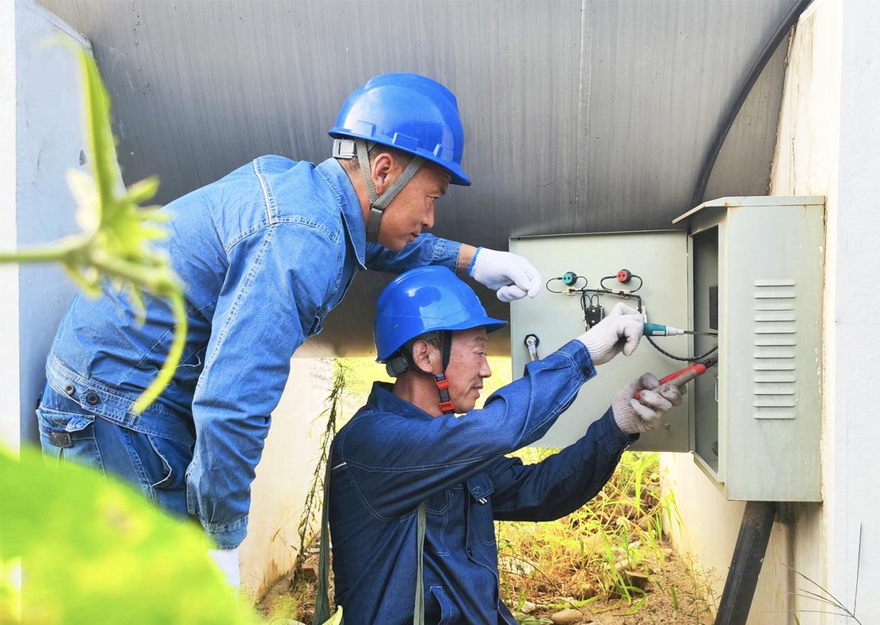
pixel 694 605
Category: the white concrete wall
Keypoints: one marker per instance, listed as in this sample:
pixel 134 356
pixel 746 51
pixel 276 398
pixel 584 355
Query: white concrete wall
pixel 42 137
pixel 826 145
pixel 10 428
pixel 284 475
pixel 855 370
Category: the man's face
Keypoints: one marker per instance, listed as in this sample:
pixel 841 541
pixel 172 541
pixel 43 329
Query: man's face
pixel 468 367
pixel 413 208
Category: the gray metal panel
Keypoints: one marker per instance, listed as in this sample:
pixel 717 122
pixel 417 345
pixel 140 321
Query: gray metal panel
pixel 774 271
pixel 704 272
pixel 769 415
pixel 581 115
pixel 660 258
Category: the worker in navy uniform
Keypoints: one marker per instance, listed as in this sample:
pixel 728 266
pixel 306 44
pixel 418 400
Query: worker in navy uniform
pixel 419 475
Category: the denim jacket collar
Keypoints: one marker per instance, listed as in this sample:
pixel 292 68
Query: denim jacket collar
pixel 383 399
pixel 331 171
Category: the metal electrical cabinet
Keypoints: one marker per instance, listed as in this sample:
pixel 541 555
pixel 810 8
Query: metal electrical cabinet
pixel 757 272
pixel 750 268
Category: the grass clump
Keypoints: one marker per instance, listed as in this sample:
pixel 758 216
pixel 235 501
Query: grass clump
pixel 609 549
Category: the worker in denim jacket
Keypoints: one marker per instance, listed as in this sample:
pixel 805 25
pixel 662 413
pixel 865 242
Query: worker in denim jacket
pixel 265 253
pixel 422 441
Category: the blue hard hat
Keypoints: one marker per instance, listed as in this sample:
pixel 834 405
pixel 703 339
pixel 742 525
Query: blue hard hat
pixel 409 112
pixel 424 300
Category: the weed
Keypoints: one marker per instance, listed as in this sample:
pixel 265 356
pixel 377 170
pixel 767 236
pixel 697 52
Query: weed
pixel 824 596
pixel 607 548
pixel 312 505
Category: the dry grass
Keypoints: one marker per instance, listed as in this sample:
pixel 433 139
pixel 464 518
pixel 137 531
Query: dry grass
pixel 609 556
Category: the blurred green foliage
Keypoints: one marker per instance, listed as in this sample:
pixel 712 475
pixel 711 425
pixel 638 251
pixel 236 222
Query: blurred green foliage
pixel 91 550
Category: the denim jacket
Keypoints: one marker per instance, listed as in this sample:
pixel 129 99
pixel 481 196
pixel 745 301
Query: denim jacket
pixel 265 253
pixel 392 456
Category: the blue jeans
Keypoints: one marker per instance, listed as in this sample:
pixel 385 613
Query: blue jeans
pixel 153 464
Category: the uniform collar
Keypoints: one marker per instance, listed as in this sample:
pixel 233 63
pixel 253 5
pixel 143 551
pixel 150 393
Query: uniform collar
pixel 336 178
pixel 383 399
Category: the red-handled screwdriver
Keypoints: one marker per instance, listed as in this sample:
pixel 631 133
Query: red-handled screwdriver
pixel 683 376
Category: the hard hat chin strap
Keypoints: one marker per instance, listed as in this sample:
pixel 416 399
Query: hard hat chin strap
pixel 440 378
pixel 446 404
pixel 405 360
pixel 378 203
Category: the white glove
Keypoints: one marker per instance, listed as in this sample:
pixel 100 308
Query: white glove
pixel 511 275
pixel 637 416
pixel 620 331
pixel 227 561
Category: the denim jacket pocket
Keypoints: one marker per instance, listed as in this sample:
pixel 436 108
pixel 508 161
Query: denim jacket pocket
pixel 69 436
pixel 438 518
pixel 175 459
pixel 480 488
pixel 439 503
pixel 443 606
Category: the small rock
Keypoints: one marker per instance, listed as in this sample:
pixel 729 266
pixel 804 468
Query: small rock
pixel 567 617
pixel 515 565
pixel 528 607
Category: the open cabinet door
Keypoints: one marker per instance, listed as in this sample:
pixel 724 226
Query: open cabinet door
pixel 660 259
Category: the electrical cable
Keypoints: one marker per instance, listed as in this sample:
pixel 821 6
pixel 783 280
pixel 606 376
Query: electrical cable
pixel 674 357
pixel 602 283
pixel 547 286
pixel 733 110
pixel 570 288
pixel 619 294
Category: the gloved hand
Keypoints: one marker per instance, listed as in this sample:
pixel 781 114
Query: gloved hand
pixel 620 330
pixel 227 561
pixel 511 275
pixel 637 416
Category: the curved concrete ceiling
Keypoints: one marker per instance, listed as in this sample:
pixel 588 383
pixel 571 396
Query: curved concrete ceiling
pixel 580 115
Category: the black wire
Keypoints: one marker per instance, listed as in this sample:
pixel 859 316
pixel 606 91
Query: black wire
pixel 733 110
pixel 572 287
pixel 619 294
pixel 602 283
pixel 674 357
pixel 547 285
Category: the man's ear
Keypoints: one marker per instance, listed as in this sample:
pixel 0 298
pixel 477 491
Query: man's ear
pixel 384 170
pixel 425 356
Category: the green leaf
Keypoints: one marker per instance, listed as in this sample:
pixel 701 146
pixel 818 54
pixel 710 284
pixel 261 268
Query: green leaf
pixel 143 191
pixel 638 605
pixel 94 551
